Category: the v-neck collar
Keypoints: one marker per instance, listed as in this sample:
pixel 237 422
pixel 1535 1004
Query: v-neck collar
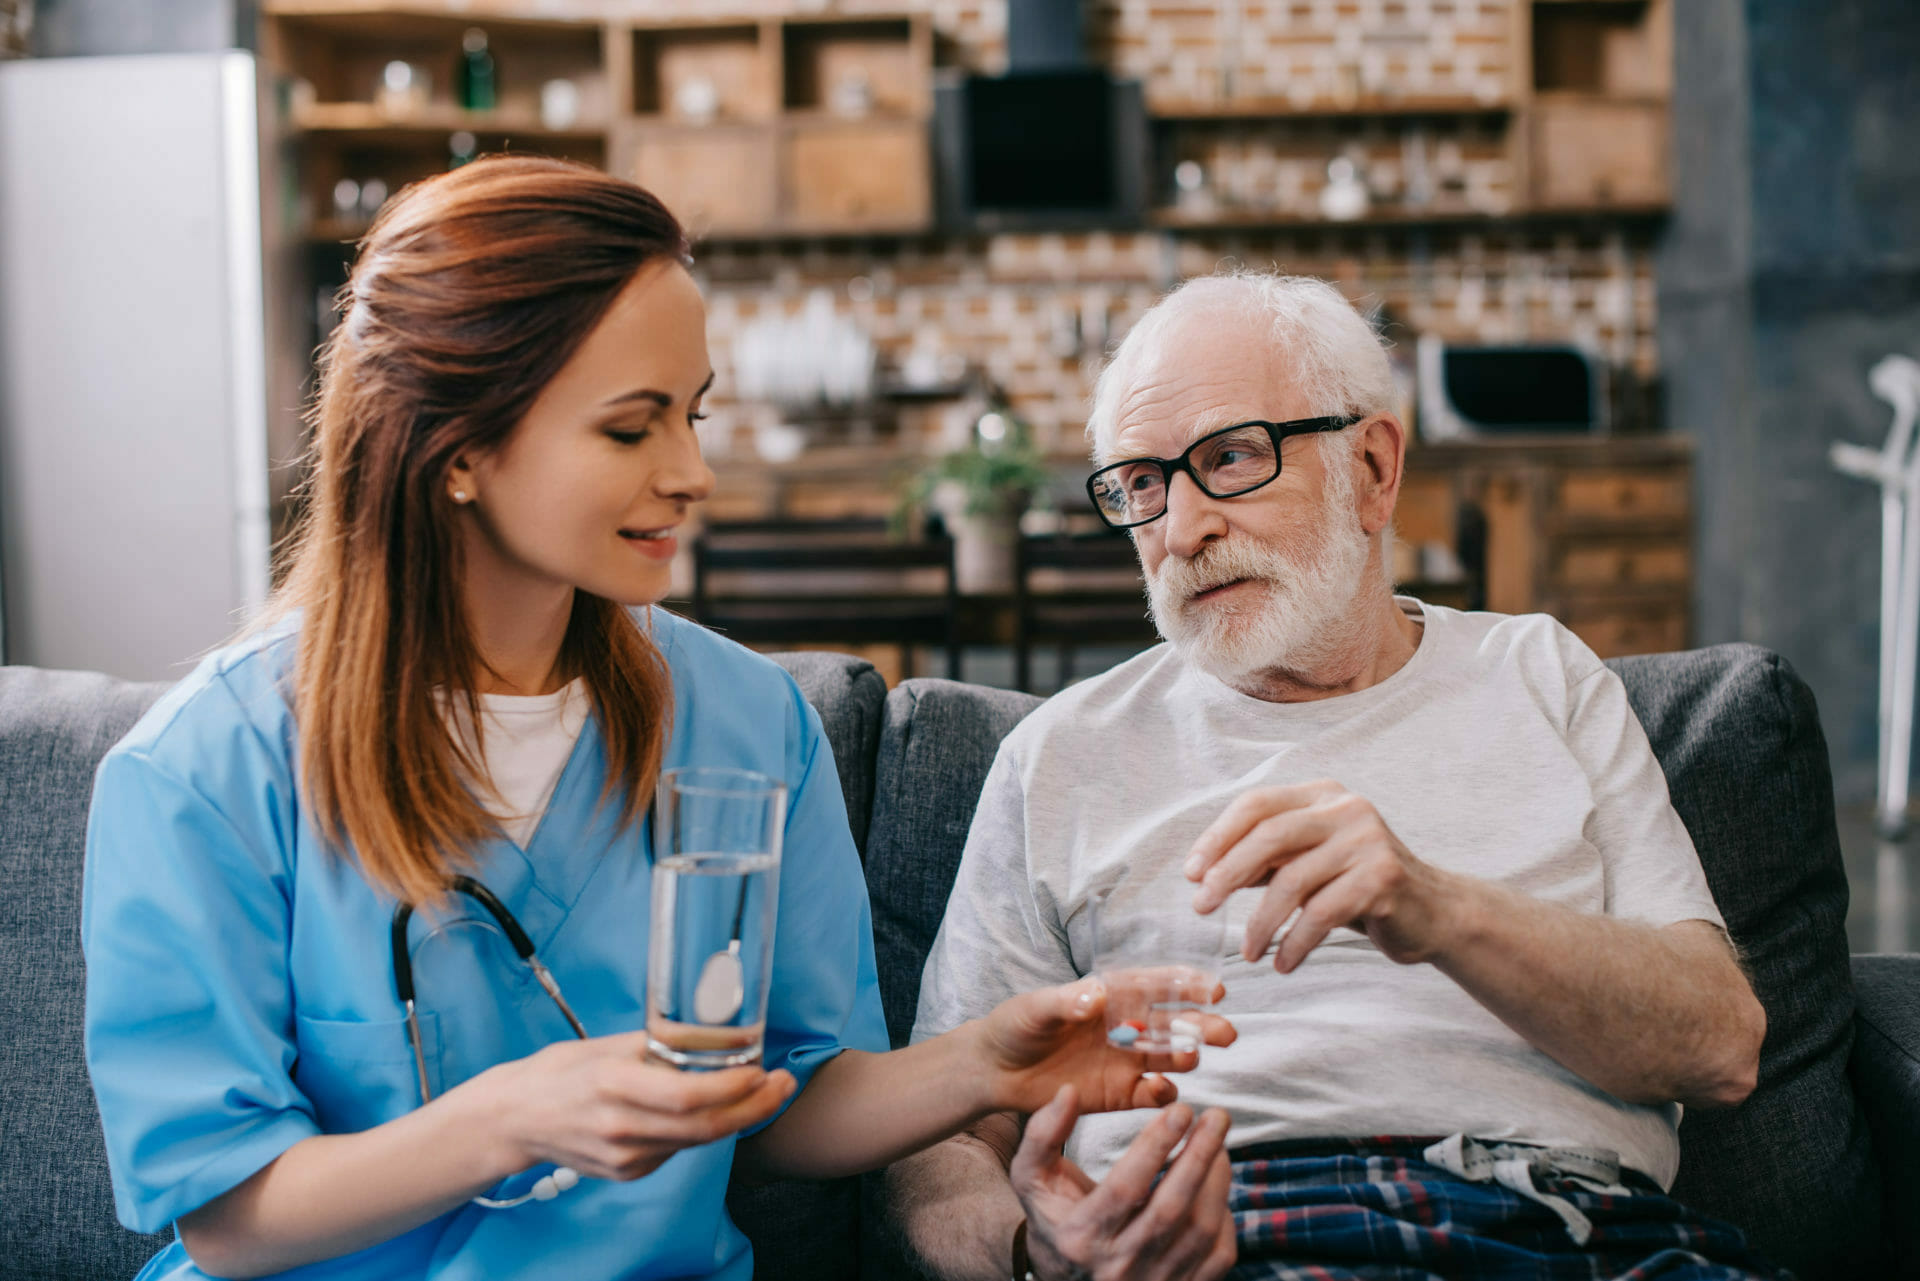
pixel 542 882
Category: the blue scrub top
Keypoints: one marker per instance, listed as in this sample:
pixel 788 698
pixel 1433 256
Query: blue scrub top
pixel 240 985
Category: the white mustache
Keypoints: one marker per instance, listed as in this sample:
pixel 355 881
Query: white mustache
pixel 1217 565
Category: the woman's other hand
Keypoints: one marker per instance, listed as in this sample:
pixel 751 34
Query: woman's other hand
pixel 1038 1041
pixel 601 1107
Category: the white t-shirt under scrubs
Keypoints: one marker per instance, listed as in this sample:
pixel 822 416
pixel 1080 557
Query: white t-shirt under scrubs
pixel 1503 749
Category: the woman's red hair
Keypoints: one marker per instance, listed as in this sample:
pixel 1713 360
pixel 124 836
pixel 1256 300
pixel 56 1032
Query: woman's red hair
pixel 470 292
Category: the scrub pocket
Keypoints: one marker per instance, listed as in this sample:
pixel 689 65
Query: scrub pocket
pixel 359 1074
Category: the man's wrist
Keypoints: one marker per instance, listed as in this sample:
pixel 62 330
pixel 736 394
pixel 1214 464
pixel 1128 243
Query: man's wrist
pixel 1458 911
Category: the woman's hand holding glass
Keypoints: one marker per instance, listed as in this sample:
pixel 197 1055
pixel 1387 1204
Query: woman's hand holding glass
pixel 1038 1041
pixel 602 1108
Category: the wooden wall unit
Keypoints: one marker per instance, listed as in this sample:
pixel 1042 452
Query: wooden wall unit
pixel 798 126
pixel 1602 78
pixel 814 125
pixel 1597 532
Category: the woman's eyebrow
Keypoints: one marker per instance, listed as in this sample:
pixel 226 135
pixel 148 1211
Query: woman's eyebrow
pixel 660 398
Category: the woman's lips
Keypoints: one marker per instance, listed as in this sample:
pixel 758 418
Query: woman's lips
pixel 661 548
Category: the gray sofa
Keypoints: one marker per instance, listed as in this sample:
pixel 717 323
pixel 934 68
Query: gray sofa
pixel 1821 1165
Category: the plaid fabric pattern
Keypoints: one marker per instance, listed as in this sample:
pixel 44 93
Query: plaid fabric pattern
pixel 1373 1210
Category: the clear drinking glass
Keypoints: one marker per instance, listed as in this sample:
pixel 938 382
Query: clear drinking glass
pixel 716 881
pixel 1160 967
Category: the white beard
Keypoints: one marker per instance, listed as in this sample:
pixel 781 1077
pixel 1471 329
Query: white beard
pixel 1299 612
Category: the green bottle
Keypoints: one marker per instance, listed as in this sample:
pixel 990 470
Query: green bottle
pixel 477 87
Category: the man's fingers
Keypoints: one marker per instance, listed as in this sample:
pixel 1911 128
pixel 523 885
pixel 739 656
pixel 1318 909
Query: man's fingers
pixel 1337 903
pixel 1177 1220
pixel 1254 857
pixel 1240 817
pixel 1130 1182
pixel 1046 1135
pixel 1226 1243
pixel 1292 886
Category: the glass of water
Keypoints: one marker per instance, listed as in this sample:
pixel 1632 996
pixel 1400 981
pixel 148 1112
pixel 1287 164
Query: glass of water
pixel 1160 963
pixel 716 880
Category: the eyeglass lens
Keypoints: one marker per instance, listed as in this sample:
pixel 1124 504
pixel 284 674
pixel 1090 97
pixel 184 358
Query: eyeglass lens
pixel 1227 464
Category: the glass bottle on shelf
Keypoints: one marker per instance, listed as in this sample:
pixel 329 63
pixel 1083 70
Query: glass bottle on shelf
pixel 477 88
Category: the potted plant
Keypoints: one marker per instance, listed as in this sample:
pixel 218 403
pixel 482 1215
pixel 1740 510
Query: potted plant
pixel 980 493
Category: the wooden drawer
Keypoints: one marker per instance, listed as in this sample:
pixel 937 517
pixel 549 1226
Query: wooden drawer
pixel 1588 564
pixel 1614 633
pixel 1622 496
pixel 853 177
pixel 713 178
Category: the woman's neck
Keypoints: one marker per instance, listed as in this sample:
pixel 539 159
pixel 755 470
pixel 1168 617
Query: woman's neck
pixel 518 629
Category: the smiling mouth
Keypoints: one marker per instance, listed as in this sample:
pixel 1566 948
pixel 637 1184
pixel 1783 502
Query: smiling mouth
pixel 647 535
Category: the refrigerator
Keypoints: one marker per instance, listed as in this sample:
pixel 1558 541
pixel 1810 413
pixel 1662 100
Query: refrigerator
pixel 134 510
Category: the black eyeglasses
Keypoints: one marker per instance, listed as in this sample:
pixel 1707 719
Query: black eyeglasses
pixel 1224 464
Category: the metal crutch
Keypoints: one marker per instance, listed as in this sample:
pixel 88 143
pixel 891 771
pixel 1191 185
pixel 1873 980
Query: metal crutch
pixel 1896 469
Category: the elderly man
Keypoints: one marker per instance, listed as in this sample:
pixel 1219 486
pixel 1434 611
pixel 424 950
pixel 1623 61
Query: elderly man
pixel 1459 905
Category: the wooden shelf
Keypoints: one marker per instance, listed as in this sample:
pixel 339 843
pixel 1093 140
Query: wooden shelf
pixel 1174 111
pixel 1590 97
pixel 1409 219
pixel 362 118
pixel 380 18
pixel 821 116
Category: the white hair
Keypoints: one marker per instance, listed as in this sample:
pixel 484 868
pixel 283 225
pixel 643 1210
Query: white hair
pixel 1332 356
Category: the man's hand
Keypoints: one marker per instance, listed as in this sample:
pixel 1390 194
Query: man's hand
pixel 1038 1041
pixel 1326 853
pixel 1127 1228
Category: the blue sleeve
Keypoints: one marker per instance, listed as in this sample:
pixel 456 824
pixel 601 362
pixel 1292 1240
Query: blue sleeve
pixel 185 926
pixel 826 989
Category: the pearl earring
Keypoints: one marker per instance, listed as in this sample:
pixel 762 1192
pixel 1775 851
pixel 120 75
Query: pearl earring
pixel 459 495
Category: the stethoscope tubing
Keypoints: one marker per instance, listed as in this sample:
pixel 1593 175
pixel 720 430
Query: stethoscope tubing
pixel 562 1178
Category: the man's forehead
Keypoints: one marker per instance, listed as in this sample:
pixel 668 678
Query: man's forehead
pixel 1149 433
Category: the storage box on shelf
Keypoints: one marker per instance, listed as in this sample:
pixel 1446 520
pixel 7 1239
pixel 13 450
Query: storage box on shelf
pixel 799 126
pixel 1602 73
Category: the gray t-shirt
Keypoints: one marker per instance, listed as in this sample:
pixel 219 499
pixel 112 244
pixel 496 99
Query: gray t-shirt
pixel 1503 749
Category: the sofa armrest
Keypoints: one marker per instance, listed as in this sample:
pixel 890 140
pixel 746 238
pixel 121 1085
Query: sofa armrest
pixel 1886 1077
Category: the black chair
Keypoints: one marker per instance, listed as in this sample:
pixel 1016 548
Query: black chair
pixel 1074 591
pixel 835 582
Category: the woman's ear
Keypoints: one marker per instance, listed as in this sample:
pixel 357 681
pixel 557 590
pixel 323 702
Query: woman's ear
pixel 460 486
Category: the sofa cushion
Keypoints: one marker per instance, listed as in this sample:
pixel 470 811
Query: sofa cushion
pixel 1886 1075
pixel 54 728
pixel 848 693
pixel 1739 738
pixel 937 741
pixel 810 1231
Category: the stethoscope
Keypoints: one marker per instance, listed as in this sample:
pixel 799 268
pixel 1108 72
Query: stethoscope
pixel 549 1186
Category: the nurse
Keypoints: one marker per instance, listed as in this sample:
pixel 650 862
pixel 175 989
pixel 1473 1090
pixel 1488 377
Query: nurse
pixel 455 681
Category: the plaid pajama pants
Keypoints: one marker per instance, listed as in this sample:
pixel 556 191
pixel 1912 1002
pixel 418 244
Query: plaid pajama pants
pixel 1376 1210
